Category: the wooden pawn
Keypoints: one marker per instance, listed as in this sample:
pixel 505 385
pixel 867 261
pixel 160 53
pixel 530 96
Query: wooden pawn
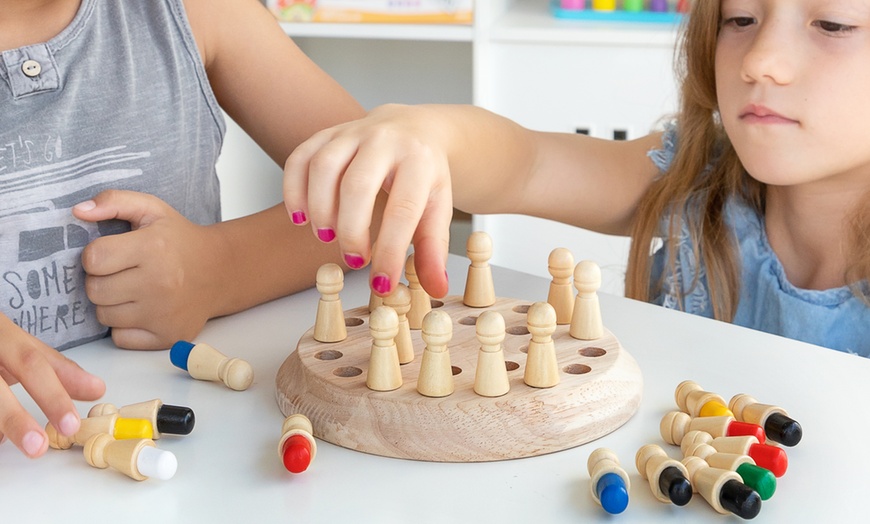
pixel 542 368
pixel 586 318
pixel 778 426
pixel 668 478
pixel 204 362
pixel 675 425
pixel 139 459
pixel 329 324
pixel 111 424
pixel 693 438
pixel 560 264
pixel 490 376
pixel 420 301
pixel 611 496
pixel 722 489
pixel 297 447
pixel 479 288
pixel 692 399
pixel 384 372
pixel 174 420
pixel 436 372
pixel 718 459
pixel 400 301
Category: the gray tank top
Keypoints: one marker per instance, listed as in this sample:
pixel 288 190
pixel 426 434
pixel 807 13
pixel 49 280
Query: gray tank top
pixel 119 99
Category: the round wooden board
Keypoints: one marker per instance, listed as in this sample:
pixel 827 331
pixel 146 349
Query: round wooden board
pixel 600 389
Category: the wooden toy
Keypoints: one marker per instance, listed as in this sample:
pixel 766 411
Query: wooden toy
pixel 173 420
pixel 599 389
pixel 586 318
pixel 723 489
pixel 610 484
pixel 384 373
pixel 778 426
pixel 297 446
pixel 204 362
pixel 675 425
pixel 479 287
pixel 436 373
pixel 668 478
pixel 542 369
pixel 691 438
pixel 761 480
pixel 400 301
pixel 692 399
pixel 490 375
pixel 329 323
pixel 139 459
pixel 420 301
pixel 112 424
pixel 560 264
pixel 764 455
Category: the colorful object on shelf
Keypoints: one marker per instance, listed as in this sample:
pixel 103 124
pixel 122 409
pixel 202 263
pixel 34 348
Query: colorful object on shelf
pixel 373 11
pixel 642 11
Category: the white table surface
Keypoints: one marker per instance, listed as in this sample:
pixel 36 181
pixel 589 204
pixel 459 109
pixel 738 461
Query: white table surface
pixel 229 469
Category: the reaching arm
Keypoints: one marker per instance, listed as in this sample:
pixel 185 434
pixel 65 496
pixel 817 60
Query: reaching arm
pixel 431 158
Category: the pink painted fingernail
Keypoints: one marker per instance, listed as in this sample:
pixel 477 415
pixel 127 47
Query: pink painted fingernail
pixel 32 443
pixel 298 217
pixel 381 284
pixel 326 234
pixel 354 261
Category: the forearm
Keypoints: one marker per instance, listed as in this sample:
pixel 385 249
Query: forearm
pixel 261 257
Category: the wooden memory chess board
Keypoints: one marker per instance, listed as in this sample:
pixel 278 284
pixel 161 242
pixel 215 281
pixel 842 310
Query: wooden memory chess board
pixel 599 390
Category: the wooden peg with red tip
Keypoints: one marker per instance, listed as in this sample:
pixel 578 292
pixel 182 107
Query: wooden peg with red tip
pixel 297 446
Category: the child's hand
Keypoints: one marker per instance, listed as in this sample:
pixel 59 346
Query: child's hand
pixel 51 379
pixel 333 181
pixel 152 286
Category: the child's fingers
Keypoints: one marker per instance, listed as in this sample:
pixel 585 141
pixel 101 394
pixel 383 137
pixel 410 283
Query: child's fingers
pixel 431 245
pixel 325 170
pixel 17 425
pixel 296 170
pixel 35 371
pixel 413 188
pixel 358 194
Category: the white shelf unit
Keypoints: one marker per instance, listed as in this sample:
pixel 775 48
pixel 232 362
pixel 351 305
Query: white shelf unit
pixel 519 61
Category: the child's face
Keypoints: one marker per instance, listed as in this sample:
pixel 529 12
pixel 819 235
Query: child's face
pixel 793 83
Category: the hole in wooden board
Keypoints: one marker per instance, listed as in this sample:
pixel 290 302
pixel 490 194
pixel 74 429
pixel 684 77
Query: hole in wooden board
pixel 592 352
pixel 510 365
pixel 576 369
pixel 353 322
pixel 329 354
pixel 347 372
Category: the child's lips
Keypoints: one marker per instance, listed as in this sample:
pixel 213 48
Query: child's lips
pixel 756 113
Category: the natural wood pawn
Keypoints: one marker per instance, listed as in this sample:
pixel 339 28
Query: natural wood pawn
pixel 717 459
pixel 329 324
pixel 718 485
pixel 297 424
pixel 111 424
pixel 542 368
pixel 560 264
pixel 675 425
pixel 586 319
pixel 490 376
pixel 420 301
pixel 692 399
pixel 207 363
pixel 692 439
pixel 479 288
pixel 601 462
pixel 400 301
pixel 436 372
pixel 651 462
pixel 139 459
pixel 384 372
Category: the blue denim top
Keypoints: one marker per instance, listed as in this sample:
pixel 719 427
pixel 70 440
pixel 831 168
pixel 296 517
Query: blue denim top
pixel 833 318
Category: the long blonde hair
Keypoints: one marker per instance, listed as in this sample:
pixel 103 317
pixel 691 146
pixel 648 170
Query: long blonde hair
pixel 704 174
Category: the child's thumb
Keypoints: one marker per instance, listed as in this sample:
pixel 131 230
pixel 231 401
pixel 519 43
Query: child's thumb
pixel 140 209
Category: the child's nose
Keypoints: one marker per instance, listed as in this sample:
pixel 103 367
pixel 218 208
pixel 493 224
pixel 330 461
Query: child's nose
pixel 770 57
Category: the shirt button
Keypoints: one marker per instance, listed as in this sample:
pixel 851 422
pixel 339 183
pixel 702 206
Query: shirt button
pixel 31 68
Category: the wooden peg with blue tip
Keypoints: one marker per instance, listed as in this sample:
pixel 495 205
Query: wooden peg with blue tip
pixel 610 483
pixel 204 362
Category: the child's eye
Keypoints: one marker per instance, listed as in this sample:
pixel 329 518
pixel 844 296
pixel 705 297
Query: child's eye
pixel 833 27
pixel 739 21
